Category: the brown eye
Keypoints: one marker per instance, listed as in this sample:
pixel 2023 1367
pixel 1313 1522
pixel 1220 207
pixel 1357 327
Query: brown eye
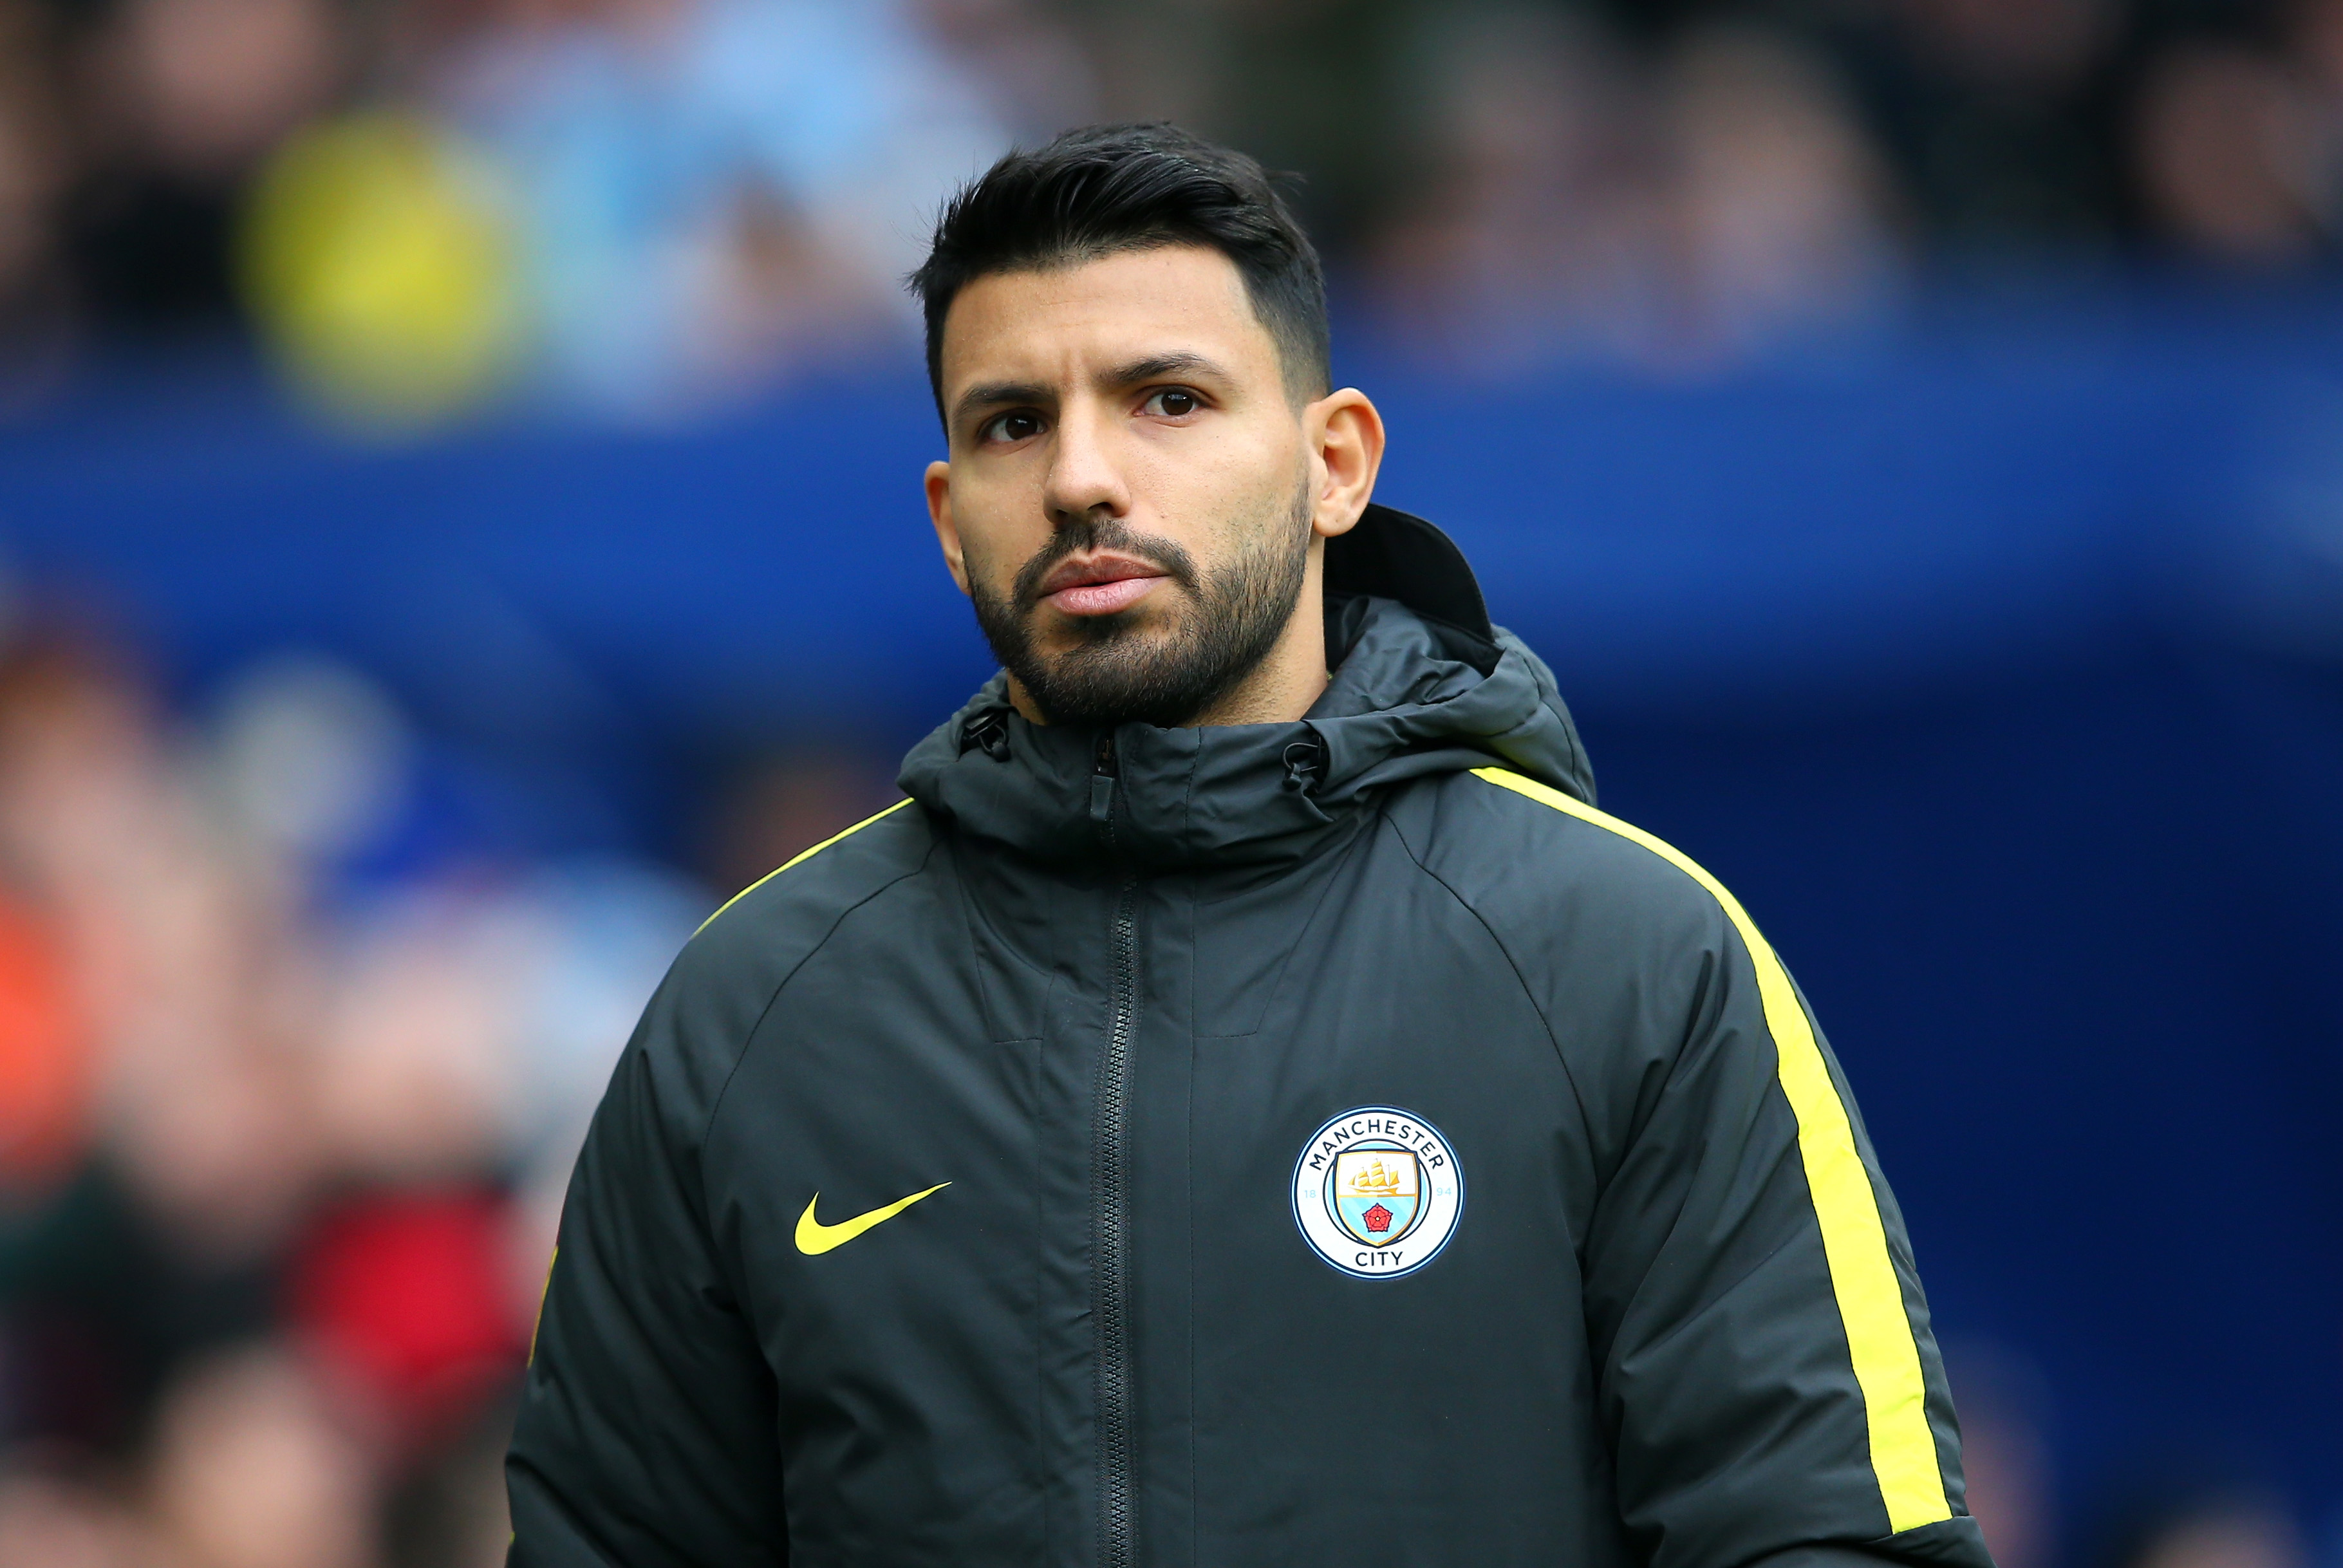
pixel 1011 428
pixel 1173 403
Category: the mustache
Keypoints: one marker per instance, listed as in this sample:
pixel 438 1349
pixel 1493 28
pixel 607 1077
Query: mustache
pixel 1101 534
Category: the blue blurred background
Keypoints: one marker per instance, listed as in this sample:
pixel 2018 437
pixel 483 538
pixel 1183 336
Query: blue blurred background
pixel 458 521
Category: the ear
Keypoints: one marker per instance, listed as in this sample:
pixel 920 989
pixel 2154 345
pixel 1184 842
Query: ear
pixel 939 512
pixel 1346 439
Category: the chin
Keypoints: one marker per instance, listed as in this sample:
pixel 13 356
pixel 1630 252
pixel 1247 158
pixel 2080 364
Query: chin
pixel 1066 634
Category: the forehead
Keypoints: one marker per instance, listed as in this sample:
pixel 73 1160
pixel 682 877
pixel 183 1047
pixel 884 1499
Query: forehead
pixel 1052 322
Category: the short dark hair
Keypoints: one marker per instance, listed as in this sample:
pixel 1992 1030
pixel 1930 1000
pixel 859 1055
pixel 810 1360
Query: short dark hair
pixel 1106 189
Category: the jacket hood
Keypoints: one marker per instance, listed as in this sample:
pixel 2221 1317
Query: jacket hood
pixel 1423 683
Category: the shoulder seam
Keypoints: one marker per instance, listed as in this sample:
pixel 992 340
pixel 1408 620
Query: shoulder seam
pixel 750 1035
pixel 1882 1346
pixel 1577 1097
pixel 797 859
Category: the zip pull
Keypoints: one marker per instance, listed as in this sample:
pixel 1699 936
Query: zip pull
pixel 1102 783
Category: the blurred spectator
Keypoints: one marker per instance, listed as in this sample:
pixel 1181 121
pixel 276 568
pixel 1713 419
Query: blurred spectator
pixel 448 1511
pixel 281 1146
pixel 1780 206
pixel 2004 116
pixel 45 1053
pixel 1313 86
pixel 2313 29
pixel 251 1467
pixel 306 759
pixel 2228 153
pixel 34 167
pixel 174 945
pixel 782 805
pixel 1538 213
pixel 1032 73
pixel 404 1296
pixel 2197 1526
pixel 664 201
pixel 2237 1534
pixel 1730 202
pixel 380 257
pixel 2005 1452
pixel 178 101
pixel 472 1022
pixel 415 1057
pixel 53 1517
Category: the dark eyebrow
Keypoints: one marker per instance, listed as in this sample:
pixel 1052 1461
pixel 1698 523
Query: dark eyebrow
pixel 1163 367
pixel 997 395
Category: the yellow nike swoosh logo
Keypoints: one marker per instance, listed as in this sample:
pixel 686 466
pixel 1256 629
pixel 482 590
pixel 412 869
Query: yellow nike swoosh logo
pixel 814 1238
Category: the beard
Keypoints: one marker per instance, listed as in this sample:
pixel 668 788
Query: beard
pixel 1122 671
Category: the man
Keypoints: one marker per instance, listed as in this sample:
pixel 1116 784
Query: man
pixel 1246 1106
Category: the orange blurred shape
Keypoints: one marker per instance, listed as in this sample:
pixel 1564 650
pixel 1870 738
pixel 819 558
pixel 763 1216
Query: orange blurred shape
pixel 45 1053
pixel 405 1294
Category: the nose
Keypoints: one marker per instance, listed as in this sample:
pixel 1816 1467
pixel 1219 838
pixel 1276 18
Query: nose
pixel 1084 481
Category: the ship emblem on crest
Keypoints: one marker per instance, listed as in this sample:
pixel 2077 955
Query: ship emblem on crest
pixel 1377 1192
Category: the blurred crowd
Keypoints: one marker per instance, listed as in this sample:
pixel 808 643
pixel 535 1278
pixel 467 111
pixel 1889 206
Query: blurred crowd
pixel 637 208
pixel 293 1067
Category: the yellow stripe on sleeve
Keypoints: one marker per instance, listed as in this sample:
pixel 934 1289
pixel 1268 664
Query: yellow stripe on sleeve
pixel 794 860
pixel 537 1323
pixel 1879 1337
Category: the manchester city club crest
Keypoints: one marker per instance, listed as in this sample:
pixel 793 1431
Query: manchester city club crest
pixel 1377 1192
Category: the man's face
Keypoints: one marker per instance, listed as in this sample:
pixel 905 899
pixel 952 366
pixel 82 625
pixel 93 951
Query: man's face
pixel 1131 493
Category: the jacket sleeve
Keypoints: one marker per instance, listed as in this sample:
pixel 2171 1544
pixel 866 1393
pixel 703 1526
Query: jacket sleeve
pixel 1766 1373
pixel 647 1435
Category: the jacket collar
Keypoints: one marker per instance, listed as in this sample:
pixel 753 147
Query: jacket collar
pixel 1423 683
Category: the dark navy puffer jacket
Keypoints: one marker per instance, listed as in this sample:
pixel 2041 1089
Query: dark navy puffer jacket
pixel 1330 1143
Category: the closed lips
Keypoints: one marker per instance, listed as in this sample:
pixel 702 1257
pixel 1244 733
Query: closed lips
pixel 1101 586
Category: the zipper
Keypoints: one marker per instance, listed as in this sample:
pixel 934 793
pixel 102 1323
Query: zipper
pixel 1108 1266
